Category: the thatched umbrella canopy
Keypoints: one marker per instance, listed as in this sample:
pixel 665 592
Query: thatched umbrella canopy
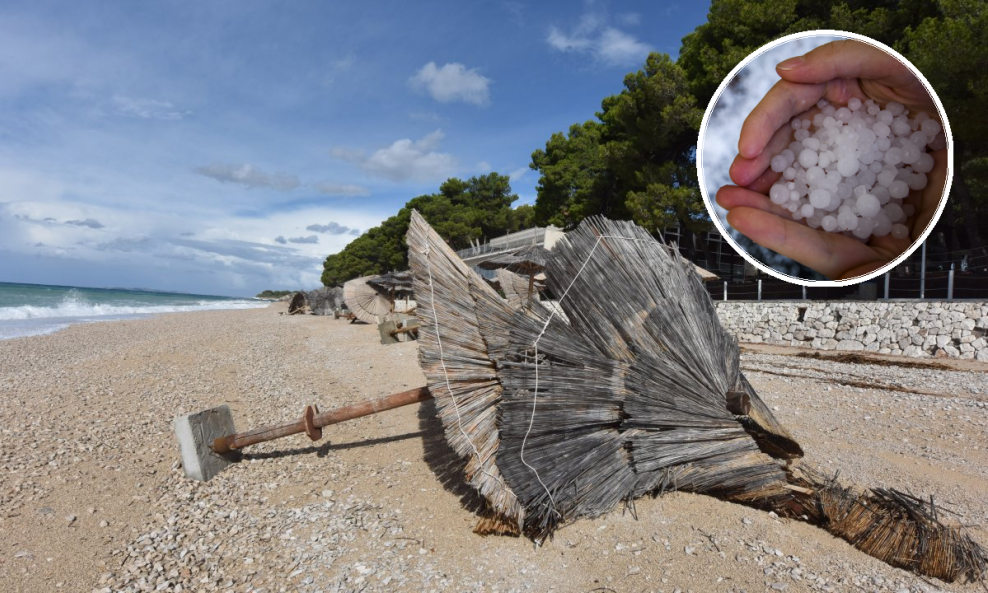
pixel 364 301
pixel 528 261
pixel 515 288
pixel 392 282
pixel 637 390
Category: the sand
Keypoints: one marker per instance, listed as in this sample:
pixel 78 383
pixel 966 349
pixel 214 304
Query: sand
pixel 92 496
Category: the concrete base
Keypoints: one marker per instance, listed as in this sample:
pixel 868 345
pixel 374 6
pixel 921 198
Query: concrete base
pixel 196 433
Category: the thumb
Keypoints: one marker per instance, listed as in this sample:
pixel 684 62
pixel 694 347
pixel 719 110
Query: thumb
pixel 845 58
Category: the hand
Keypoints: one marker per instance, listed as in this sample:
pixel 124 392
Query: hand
pixel 837 72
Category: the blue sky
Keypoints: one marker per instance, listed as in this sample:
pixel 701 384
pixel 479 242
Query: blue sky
pixel 227 147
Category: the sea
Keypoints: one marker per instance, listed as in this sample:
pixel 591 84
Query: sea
pixel 36 309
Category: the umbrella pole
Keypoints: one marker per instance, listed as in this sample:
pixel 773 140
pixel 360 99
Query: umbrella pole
pixel 312 421
pixel 531 285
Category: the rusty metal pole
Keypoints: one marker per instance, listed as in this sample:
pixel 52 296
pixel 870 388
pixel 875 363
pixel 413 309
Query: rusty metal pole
pixel 312 421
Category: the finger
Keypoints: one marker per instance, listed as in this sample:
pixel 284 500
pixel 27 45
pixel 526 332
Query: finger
pixel 845 58
pixel 831 254
pixel 731 196
pixel 784 100
pixel 745 172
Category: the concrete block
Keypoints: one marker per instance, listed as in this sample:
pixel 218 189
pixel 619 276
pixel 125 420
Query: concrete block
pixel 196 433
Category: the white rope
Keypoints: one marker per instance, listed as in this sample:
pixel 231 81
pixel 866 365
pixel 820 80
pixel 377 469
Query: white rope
pixel 449 387
pixel 535 345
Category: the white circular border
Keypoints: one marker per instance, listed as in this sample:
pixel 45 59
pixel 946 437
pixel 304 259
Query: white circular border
pixel 709 202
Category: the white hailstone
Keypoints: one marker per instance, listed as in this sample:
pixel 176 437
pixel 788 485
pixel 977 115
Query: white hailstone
pixel 924 164
pixel 919 139
pixel 894 212
pixel 900 231
pixel 846 166
pixel 898 189
pixel 917 181
pixel 868 206
pixel 910 153
pixel 931 127
pixel 864 228
pixel 847 220
pixel 883 225
pixel 848 169
pixel 778 194
pixel 939 142
pixel 900 127
pixel 881 193
pixel 820 198
pixel 807 158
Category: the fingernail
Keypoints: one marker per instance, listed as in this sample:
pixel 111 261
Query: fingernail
pixel 790 64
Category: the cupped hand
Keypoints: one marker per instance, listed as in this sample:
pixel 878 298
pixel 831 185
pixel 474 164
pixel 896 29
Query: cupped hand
pixel 837 72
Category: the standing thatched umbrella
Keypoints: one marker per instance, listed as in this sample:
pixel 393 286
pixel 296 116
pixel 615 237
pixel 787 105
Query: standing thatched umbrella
pixel 640 391
pixel 527 262
pixel 364 301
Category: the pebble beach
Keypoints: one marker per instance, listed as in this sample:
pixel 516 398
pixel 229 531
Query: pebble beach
pixel 93 497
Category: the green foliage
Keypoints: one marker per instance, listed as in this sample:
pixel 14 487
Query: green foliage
pixel 461 212
pixel 273 294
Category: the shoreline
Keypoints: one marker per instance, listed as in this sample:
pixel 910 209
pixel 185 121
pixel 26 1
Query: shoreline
pixel 90 476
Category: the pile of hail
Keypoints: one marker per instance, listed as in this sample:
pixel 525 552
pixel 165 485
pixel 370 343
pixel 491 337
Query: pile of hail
pixel 850 168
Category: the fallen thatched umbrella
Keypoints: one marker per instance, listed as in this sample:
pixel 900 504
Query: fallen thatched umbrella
pixel 528 261
pixel 366 302
pixel 639 392
pixel 296 305
pixel 392 282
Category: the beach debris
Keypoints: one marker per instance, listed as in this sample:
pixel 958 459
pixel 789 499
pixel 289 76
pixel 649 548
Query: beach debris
pixel 325 301
pixel 515 288
pixel 365 302
pixel 209 442
pixel 296 306
pixel 639 392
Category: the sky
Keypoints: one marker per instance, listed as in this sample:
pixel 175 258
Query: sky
pixel 227 147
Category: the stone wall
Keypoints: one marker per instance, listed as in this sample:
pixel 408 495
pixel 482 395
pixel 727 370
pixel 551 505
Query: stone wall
pixel 911 328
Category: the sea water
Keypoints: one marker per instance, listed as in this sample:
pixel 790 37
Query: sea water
pixel 35 309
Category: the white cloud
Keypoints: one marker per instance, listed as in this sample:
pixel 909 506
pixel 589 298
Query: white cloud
pixel 452 82
pixel 605 43
pixel 518 174
pixel 249 176
pixel 147 108
pixel 404 160
pixel 484 167
pixel 341 189
pixel 618 47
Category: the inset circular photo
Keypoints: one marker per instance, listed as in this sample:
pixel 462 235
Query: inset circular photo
pixel 825 158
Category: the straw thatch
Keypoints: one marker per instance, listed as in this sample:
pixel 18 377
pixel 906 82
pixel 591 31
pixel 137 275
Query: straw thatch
pixel 365 302
pixel 325 300
pixel 514 287
pixel 635 389
pixel 296 306
pixel 392 282
pixel 453 356
pixel 527 261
